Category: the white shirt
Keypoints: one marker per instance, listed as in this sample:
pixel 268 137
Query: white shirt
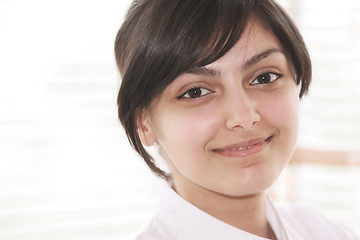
pixel 177 219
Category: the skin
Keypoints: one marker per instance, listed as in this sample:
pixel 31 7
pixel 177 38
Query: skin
pixel 227 130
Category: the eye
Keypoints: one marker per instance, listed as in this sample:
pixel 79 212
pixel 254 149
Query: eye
pixel 195 93
pixel 265 78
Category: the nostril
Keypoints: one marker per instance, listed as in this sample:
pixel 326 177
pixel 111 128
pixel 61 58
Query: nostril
pixel 241 112
pixel 255 123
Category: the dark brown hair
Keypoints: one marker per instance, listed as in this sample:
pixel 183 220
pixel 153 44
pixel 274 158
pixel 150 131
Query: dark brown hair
pixel 161 39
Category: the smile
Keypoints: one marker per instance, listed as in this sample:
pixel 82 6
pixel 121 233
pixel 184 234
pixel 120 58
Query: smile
pixel 244 149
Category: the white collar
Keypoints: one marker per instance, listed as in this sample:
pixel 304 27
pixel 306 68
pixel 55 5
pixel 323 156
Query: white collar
pixel 185 221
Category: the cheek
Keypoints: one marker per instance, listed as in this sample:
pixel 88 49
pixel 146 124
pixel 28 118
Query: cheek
pixel 282 112
pixel 183 136
pixel 185 129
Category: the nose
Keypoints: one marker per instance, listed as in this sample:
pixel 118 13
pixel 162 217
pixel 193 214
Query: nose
pixel 241 111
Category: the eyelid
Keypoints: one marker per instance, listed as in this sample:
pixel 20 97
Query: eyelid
pixel 182 96
pixel 277 76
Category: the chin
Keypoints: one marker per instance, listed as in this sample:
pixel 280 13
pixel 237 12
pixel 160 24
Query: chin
pixel 256 185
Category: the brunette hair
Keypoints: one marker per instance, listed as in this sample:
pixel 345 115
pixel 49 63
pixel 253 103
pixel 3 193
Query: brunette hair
pixel 161 39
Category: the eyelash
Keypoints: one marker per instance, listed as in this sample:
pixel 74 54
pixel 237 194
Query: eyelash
pixel 273 77
pixel 193 92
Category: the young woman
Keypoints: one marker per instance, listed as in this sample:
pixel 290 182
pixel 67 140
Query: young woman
pixel 216 85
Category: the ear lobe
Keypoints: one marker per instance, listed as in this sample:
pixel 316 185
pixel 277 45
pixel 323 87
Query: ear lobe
pixel 144 129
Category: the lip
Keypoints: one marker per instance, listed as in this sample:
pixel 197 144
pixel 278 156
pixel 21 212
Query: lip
pixel 244 149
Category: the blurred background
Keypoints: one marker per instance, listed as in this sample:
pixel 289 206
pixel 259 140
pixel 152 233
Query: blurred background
pixel 66 169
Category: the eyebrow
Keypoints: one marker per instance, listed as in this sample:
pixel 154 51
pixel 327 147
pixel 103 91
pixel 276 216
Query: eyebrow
pixel 249 63
pixel 204 71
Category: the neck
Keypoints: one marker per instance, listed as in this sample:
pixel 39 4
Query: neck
pixel 247 213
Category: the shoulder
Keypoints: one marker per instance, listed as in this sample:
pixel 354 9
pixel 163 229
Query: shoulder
pixel 307 222
pixel 155 230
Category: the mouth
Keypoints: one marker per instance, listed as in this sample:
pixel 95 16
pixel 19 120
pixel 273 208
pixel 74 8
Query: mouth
pixel 244 149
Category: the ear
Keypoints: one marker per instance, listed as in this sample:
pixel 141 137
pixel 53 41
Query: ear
pixel 144 129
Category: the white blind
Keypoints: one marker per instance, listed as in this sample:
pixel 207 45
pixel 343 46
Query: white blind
pixel 332 109
pixel 66 169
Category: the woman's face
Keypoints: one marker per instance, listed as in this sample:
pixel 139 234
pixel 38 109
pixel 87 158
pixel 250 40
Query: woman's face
pixel 229 127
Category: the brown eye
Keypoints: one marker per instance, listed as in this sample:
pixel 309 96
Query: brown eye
pixel 195 93
pixel 265 78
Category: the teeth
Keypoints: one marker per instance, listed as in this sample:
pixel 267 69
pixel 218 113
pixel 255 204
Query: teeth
pixel 235 149
pixel 241 148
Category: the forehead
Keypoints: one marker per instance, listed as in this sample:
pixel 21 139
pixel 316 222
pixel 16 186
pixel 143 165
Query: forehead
pixel 256 44
pixel 255 39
